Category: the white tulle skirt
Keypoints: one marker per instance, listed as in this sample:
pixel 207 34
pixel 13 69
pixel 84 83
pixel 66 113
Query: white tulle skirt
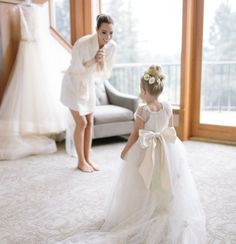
pixel 31 102
pixel 135 215
pixel 15 147
pixel 31 109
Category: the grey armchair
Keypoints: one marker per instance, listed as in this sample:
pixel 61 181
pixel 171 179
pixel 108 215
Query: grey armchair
pixel 114 113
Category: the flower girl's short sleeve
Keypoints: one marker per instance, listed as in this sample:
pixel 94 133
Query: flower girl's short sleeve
pixel 168 108
pixel 142 113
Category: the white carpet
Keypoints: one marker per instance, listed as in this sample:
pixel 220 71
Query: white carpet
pixel 43 199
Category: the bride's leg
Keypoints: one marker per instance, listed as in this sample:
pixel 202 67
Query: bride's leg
pixel 79 135
pixel 88 140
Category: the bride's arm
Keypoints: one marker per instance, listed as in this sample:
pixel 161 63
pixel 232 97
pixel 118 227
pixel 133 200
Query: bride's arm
pixel 171 123
pixel 89 63
pixel 138 124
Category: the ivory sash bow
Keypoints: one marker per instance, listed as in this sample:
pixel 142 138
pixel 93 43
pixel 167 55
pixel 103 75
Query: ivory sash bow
pixel 151 141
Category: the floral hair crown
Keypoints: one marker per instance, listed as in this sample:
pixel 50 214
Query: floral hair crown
pixel 151 76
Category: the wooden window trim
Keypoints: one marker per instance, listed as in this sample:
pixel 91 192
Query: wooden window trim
pixel 189 7
pixel 53 31
pixel 60 39
pixel 217 132
pixel 77 19
pixel 82 17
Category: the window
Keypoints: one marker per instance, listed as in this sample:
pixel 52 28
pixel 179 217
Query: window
pixel 60 18
pixel 218 85
pixel 147 32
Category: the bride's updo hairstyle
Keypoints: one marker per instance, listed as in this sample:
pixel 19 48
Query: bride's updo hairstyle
pixel 104 18
pixel 152 80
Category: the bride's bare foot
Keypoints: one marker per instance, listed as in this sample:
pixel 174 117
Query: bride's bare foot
pixel 85 167
pixel 94 166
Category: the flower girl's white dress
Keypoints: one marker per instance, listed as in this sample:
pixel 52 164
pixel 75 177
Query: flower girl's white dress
pixel 31 108
pixel 155 200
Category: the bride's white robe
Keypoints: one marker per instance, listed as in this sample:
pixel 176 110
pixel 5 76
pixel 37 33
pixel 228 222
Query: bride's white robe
pixel 78 86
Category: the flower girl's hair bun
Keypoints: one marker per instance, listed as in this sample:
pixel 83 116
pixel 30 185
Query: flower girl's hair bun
pixel 152 80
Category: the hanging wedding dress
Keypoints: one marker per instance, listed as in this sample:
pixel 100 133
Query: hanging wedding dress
pixel 31 109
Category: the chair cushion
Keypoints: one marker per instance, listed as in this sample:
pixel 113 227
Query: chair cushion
pixel 111 113
pixel 101 95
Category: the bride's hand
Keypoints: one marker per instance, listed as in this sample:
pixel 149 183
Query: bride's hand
pixel 122 155
pixel 99 57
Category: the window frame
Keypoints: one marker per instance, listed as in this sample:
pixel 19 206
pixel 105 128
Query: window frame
pixel 53 31
pixel 191 68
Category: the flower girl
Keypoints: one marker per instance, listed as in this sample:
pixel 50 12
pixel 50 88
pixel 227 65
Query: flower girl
pixel 155 199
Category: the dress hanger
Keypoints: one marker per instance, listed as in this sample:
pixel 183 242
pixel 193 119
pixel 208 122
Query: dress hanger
pixel 27 3
pixel 20 2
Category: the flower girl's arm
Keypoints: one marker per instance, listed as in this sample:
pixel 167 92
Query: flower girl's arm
pixel 139 124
